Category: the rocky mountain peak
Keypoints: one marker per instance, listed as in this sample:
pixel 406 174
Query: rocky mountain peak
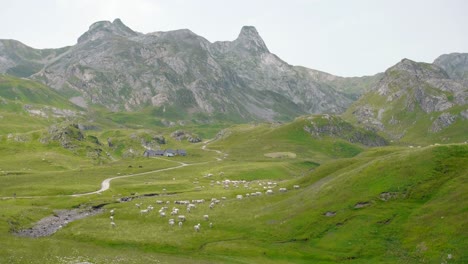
pixel 249 39
pixel 455 64
pixel 103 29
pixel 419 69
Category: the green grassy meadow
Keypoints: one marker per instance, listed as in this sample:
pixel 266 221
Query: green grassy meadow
pixel 354 204
pixel 422 221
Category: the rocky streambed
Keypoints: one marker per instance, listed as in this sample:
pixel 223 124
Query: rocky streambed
pixel 51 224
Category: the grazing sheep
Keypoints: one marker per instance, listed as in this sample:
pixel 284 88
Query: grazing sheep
pixel 283 190
pixel 211 225
pixel 296 187
pixel 181 218
pixel 112 212
pixel 239 197
pixel 111 218
pixel 206 217
pixel 212 205
pixel 180 224
pixel 175 211
pixel 223 198
pixel 162 214
pixel 171 222
pixel 113 224
pixel 159 202
pixel 144 211
pixel 269 191
pixel 197 227
pixel 138 205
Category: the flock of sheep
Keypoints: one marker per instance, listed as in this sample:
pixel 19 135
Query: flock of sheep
pixel 176 215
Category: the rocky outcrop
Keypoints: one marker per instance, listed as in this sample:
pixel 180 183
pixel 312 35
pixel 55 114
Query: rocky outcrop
pixel 66 135
pixel 410 92
pixel 334 126
pixel 443 121
pixel 181 135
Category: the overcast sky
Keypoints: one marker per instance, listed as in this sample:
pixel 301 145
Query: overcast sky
pixel 347 37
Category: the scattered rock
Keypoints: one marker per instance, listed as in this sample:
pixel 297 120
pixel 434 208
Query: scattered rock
pixel 385 196
pixel 362 205
pixel 194 139
pixel 329 214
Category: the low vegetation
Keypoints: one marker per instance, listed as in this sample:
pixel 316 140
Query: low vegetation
pixel 300 192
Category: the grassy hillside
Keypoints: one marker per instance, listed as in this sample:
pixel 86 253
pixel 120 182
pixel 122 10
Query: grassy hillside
pixel 379 199
pixel 356 203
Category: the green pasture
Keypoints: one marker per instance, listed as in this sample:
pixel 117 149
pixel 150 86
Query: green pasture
pixel 389 204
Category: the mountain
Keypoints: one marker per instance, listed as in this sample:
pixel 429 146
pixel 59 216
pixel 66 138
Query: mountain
pixel 417 102
pixel 20 60
pixel 180 74
pixel 455 64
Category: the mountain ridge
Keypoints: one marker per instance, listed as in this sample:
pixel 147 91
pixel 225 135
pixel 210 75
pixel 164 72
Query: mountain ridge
pixel 116 67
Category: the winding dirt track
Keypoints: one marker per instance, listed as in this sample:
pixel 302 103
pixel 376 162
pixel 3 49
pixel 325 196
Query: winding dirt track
pixel 105 184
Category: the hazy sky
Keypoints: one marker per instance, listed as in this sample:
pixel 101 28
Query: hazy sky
pixel 347 37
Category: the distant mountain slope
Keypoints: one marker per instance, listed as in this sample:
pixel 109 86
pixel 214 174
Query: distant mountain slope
pixel 417 102
pixel 20 60
pixel 27 105
pixel 182 73
pixel 455 64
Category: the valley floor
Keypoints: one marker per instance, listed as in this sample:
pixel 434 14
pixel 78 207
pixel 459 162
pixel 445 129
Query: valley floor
pixel 384 205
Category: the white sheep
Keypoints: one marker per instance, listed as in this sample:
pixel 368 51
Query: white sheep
pixel 283 190
pixel 211 225
pixel 206 217
pixel 239 197
pixel 171 222
pixel 144 211
pixel 269 191
pixel 180 224
pixel 162 214
pixel 112 212
pixel 197 227
pixel 181 218
pixel 111 218
pixel 296 187
pixel 113 224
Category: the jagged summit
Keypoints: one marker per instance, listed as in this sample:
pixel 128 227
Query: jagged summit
pixel 102 29
pixel 250 39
